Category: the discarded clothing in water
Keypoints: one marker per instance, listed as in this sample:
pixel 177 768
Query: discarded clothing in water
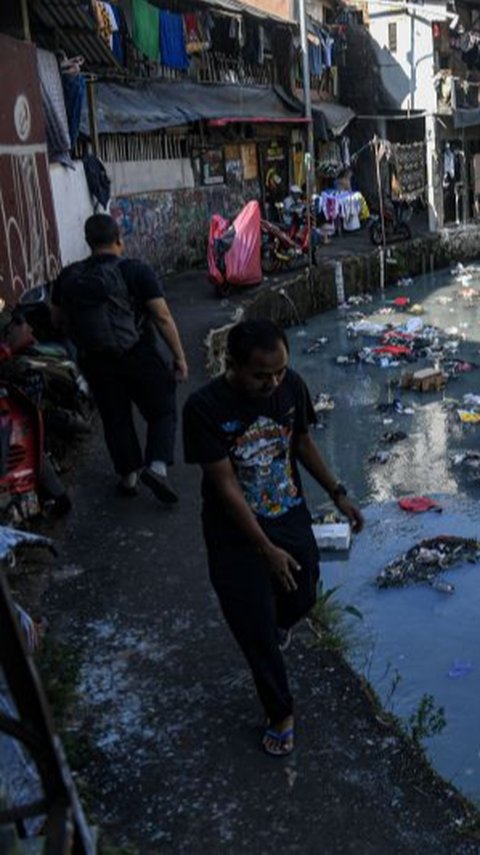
pixel 317 345
pixel 470 459
pixel 380 457
pixel 392 437
pixel 428 558
pixel 419 504
pixel 323 403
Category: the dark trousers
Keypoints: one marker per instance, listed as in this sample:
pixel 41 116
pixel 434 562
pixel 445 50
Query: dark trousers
pixel 255 605
pixel 139 377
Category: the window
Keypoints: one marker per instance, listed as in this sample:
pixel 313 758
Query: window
pixel 392 38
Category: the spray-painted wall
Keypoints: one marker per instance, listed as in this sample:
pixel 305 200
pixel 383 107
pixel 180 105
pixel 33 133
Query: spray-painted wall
pixel 28 236
pixel 170 228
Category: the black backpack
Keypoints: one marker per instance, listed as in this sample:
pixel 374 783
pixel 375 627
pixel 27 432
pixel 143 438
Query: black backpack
pixel 99 308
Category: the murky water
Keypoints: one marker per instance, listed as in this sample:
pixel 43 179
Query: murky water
pixel 412 641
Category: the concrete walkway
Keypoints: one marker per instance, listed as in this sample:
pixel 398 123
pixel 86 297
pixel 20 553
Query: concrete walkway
pixel 167 708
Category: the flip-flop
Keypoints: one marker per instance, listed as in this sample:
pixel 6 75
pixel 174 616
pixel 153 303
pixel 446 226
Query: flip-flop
pixel 280 738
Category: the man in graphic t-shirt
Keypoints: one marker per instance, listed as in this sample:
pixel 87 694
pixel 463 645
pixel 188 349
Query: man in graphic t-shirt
pixel 248 429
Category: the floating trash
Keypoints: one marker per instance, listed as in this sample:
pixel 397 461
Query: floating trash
pixel 428 558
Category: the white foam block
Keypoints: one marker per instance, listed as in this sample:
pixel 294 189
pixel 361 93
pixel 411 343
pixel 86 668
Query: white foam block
pixel 333 536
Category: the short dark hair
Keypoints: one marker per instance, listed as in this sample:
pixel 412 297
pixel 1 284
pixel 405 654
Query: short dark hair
pixel 248 336
pixel 101 230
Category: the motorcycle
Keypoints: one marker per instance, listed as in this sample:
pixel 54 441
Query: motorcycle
pixel 396 216
pixel 283 245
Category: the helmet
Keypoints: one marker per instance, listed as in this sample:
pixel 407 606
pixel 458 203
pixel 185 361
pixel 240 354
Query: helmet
pixel 295 190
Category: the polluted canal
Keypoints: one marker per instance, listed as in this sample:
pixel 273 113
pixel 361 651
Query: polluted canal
pixel 418 641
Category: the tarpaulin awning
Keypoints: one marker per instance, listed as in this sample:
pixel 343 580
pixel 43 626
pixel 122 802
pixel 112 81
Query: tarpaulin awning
pixel 330 119
pixel 142 107
pixel 467 118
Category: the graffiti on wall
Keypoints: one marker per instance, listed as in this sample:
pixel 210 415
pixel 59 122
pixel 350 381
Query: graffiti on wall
pixel 28 236
pixel 170 228
pixel 30 256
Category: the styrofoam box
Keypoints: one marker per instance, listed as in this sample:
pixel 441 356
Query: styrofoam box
pixel 332 535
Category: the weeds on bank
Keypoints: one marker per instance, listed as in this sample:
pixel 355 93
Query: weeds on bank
pixel 328 621
pixel 427 720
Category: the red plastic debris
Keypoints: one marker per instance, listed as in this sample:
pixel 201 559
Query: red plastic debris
pixel 418 504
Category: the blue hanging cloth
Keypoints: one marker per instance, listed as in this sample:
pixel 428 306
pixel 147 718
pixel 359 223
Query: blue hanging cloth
pixel 172 41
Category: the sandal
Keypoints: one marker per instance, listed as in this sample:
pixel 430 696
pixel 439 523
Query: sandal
pixel 282 739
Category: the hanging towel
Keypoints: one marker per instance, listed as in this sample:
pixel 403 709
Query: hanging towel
pixel 172 41
pixel 145 28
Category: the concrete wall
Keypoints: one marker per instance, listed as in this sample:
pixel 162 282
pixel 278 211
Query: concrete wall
pixel 145 176
pixel 73 204
pixel 280 8
pixel 28 234
pixel 170 228
pixel 406 73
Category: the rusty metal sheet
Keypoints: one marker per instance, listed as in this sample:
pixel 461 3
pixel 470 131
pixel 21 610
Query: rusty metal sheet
pixel 29 251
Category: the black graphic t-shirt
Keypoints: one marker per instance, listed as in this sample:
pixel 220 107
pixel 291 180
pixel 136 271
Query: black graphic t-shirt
pixel 257 435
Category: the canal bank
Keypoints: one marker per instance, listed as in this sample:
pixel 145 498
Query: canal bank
pixel 172 762
pixel 347 268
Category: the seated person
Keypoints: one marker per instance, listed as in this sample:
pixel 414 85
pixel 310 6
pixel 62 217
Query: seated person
pixel 293 206
pixel 343 181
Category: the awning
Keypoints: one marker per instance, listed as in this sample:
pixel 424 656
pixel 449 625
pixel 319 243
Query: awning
pixel 466 118
pixel 149 106
pixel 66 25
pixel 330 120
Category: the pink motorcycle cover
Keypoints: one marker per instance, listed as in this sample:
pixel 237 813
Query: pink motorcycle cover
pixel 242 260
pixel 243 265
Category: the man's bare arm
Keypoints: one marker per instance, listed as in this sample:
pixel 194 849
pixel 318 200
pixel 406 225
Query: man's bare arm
pixel 310 457
pixel 222 476
pixel 159 311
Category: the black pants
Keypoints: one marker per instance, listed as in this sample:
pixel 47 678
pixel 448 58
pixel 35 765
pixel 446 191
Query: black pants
pixel 254 604
pixel 139 377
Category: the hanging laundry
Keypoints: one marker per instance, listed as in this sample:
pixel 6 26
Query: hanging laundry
pixel 120 35
pixel 315 54
pixel 145 30
pixel 327 45
pixel 74 90
pixel 106 20
pixel 172 41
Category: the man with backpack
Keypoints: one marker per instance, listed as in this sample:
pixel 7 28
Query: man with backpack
pixel 114 311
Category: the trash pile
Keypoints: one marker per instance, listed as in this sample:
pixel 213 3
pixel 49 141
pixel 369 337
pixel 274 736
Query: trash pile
pixel 424 561
pixel 469 413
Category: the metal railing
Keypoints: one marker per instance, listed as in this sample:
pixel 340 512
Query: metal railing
pixel 66 830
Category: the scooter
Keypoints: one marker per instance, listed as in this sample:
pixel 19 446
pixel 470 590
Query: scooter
pixel 396 215
pixel 283 246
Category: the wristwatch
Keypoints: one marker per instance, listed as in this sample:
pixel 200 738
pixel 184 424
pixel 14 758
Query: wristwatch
pixel 339 490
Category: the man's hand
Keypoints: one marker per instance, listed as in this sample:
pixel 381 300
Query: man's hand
pixel 283 566
pixel 352 513
pixel 181 370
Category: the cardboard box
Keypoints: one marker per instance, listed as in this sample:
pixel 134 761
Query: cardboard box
pixel 424 380
pixel 334 536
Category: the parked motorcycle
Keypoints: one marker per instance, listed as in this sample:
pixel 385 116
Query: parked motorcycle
pixel 282 246
pixel 396 216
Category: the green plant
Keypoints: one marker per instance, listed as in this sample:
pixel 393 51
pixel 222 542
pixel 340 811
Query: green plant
pixel 327 619
pixel 427 720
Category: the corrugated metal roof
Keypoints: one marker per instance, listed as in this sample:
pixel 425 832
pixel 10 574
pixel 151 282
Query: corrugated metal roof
pixel 64 25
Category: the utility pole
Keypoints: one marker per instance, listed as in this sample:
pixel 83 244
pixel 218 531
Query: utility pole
pixel 308 115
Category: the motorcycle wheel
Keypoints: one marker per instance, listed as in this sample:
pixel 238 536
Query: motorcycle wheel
pixel 376 235
pixel 269 259
pixel 403 232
